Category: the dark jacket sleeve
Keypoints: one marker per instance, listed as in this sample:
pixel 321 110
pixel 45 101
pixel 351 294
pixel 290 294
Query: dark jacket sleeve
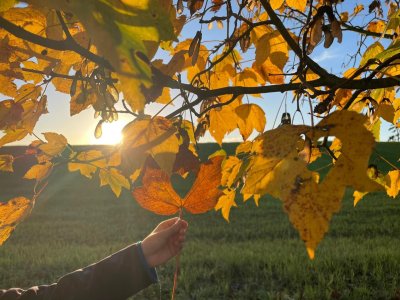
pixel 116 277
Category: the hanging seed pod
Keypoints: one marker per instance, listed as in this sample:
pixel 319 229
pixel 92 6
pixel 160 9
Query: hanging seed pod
pixel 328 38
pixel 194 48
pixel 179 6
pixel 81 98
pixel 114 114
pixel 102 87
pixel 245 43
pixel 220 25
pixel 98 131
pixel 285 118
pixel 196 54
pixel 77 76
pixel 210 25
pixel 310 49
pixel 96 114
pixel 336 30
pixel 110 117
pixel 109 99
pixel 316 31
pixel 99 104
pixel 201 128
pixel 114 93
pixel 104 115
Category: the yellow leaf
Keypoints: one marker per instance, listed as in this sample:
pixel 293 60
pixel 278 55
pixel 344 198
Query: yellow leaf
pixel 28 76
pixel 6 163
pixel 55 145
pixel 230 170
pixel 272 46
pixel 357 9
pixel 12 136
pixel 249 78
pixel 251 117
pixel 54 30
pixel 165 97
pixel 256 198
pixel 223 121
pixel 344 16
pixel 394 178
pixel 39 171
pixel 124 32
pixel 371 52
pixel 245 147
pixel 155 136
pixel 358 196
pixel 225 203
pixel 12 212
pixel 276 4
pixel 115 179
pixel 297 4
pixel 376 26
pixel 7 4
pixel 88 163
pixel 375 175
pixel 276 168
pixel 386 112
pixel 115 159
pixel 274 152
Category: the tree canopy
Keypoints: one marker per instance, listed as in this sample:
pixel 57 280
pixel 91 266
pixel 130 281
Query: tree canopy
pixel 106 52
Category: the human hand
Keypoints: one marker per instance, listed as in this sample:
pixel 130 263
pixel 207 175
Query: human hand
pixel 165 241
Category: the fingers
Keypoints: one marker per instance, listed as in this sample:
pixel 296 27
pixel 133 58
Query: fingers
pixel 172 226
pixel 167 223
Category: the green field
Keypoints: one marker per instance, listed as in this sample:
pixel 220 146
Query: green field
pixel 258 255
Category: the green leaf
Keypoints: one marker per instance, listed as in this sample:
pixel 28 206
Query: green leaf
pixel 126 32
pixel 389 52
pixel 371 52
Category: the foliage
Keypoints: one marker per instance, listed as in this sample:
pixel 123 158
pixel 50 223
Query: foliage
pixel 63 43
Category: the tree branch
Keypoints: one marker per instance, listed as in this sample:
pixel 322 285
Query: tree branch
pixel 293 45
pixel 52 44
pixel 369 33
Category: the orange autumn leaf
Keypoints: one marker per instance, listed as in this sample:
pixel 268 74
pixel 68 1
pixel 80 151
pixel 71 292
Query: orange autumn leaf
pixel 6 163
pixel 55 145
pixel 11 213
pixel 157 194
pixel 39 171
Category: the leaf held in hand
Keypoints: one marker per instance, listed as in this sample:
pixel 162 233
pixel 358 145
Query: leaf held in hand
pixel 157 194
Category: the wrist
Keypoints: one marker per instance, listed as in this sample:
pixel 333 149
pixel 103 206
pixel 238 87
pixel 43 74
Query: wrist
pixel 146 252
pixel 145 263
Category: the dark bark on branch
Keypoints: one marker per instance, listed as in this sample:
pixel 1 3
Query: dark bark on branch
pixel 52 44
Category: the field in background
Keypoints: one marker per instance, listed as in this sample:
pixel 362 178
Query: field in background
pixel 258 255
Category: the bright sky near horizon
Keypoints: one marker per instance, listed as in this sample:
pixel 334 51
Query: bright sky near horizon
pixel 79 129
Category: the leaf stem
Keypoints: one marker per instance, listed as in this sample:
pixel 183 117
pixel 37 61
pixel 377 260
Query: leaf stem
pixel 177 265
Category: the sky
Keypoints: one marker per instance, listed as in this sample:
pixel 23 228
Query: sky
pixel 79 129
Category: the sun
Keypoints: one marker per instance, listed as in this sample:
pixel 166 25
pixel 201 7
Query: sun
pixel 111 134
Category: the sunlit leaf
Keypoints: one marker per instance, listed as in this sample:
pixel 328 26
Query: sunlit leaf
pixel 39 171
pixel 89 162
pixel 251 117
pixel 114 179
pixel 6 163
pixel 157 194
pixel 394 187
pixel 55 145
pixel 12 212
pixel 225 203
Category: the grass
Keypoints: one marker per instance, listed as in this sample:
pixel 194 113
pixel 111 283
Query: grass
pixel 258 255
